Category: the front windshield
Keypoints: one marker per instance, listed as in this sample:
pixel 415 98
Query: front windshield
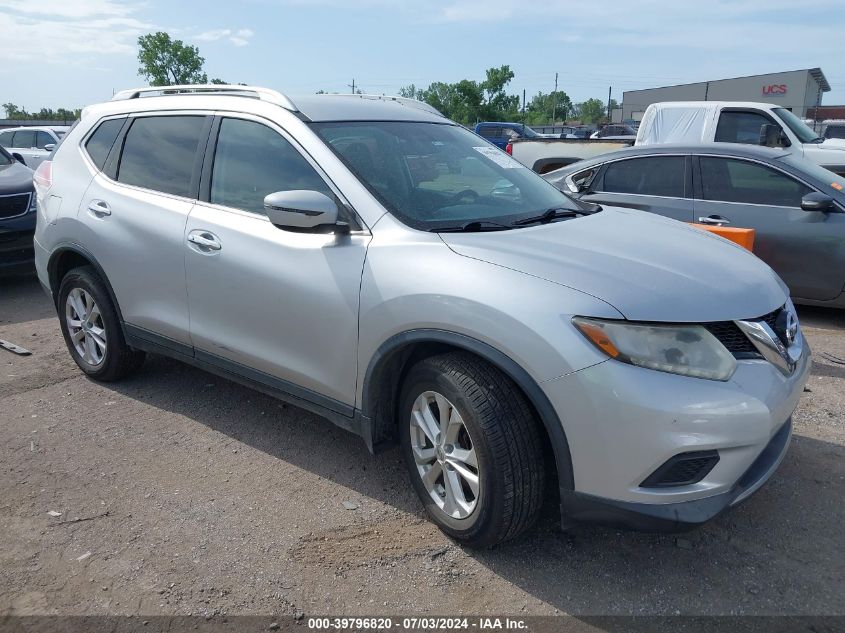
pixel 798 127
pixel 832 184
pixel 434 176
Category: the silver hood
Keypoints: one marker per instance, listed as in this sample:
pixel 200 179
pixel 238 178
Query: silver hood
pixel 648 267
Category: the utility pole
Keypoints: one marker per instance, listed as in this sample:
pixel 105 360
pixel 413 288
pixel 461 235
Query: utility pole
pixel 609 89
pixel 352 86
pixel 554 102
pixel 523 106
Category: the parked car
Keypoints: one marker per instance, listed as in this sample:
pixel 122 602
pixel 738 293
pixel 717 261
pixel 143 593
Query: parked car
pixel 738 122
pixel 833 129
pixel 500 134
pixel 17 216
pixel 31 144
pixel 368 259
pixel 796 208
pixel 696 122
pixel 616 132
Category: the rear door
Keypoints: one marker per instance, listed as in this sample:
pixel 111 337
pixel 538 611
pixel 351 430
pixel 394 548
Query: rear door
pixel 657 184
pixel 136 209
pixel 803 247
pixel 23 143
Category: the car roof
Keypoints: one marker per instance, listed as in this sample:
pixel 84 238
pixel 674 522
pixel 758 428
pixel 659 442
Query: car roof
pixel 322 107
pixel 738 150
pixel 503 123
pixel 51 128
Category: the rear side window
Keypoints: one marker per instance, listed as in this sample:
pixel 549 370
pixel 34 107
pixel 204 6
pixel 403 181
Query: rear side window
pixel 832 131
pixel 732 180
pixel 251 161
pixel 100 143
pixel 24 139
pixel 740 127
pixel 490 132
pixel 6 139
pixel 159 153
pixel 651 176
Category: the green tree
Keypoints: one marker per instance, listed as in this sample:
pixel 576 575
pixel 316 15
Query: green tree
pixel 410 92
pixel 591 111
pixel 44 114
pixel 166 62
pixel 539 109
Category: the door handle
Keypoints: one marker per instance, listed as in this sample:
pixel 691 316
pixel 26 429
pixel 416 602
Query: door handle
pixel 204 240
pixel 100 208
pixel 716 220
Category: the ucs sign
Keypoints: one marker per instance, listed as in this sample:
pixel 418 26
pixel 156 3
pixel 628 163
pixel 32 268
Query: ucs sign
pixel 774 89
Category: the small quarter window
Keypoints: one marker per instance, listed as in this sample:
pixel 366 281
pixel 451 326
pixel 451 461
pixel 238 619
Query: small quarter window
pixel 100 143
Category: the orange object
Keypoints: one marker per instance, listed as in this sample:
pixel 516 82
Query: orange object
pixel 743 237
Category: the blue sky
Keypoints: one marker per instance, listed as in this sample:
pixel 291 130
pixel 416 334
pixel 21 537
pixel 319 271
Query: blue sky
pixel 69 53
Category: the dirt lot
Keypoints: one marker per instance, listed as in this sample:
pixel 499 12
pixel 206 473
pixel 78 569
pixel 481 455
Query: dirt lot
pixel 181 493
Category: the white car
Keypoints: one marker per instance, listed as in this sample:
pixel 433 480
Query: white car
pixel 32 144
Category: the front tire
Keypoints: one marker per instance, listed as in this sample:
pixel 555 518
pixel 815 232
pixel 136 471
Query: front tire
pixel 91 327
pixel 472 448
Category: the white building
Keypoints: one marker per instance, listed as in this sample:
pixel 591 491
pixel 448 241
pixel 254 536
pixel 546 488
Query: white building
pixel 796 90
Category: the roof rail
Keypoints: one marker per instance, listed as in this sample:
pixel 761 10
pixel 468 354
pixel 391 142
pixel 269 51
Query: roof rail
pixel 254 92
pixel 411 103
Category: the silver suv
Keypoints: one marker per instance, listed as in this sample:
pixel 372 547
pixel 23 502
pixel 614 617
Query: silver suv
pixel 369 260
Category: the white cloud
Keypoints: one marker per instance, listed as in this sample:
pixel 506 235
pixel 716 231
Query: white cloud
pixel 68 31
pixel 239 37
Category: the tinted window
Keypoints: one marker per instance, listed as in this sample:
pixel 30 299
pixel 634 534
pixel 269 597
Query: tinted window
pixel 732 180
pixel 251 161
pixel 490 132
pixel 832 131
pixel 6 139
pixel 159 153
pixel 42 139
pixel 100 143
pixel 24 139
pixel 740 127
pixel 652 176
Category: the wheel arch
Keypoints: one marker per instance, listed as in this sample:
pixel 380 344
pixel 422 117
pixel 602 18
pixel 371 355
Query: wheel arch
pixel 69 256
pixel 385 371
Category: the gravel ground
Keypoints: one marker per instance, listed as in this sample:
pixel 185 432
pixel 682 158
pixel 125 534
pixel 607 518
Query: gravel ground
pixel 182 493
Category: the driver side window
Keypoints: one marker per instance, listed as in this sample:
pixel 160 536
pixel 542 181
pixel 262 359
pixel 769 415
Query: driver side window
pixel 740 127
pixel 251 161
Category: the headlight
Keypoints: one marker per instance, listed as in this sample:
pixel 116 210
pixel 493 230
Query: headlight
pixel 689 350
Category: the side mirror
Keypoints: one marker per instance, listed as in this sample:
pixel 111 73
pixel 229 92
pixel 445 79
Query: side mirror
pixel 816 201
pixel 772 135
pixel 18 158
pixel 300 209
pixel 49 147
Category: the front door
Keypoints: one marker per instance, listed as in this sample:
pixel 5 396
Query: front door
pixel 278 306
pixel 803 247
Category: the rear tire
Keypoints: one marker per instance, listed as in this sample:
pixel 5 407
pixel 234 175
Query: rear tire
pixel 91 327
pixel 463 419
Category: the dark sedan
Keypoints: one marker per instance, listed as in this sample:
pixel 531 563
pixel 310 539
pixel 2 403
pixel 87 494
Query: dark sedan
pixel 796 208
pixel 17 216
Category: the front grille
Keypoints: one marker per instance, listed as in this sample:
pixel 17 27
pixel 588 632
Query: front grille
pixel 682 470
pixel 14 205
pixel 736 342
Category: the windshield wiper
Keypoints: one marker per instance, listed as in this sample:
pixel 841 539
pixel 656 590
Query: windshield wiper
pixel 476 226
pixel 553 214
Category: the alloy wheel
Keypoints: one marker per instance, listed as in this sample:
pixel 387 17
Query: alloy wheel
pixel 444 454
pixel 85 327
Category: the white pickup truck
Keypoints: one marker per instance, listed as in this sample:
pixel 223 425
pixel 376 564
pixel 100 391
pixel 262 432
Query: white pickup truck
pixel 693 122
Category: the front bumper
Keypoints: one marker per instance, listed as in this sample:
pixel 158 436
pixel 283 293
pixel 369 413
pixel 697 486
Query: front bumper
pixel 16 247
pixel 674 517
pixel 623 422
